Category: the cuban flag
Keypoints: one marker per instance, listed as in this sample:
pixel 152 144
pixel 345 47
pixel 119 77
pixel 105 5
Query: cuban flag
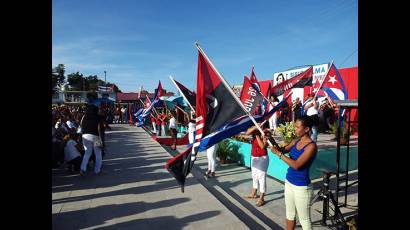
pixel 333 85
pixel 106 88
pixel 147 102
pixel 303 110
pixel 138 112
pixel 147 111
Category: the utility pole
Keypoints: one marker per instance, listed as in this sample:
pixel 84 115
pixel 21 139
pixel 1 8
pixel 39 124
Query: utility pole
pixel 105 78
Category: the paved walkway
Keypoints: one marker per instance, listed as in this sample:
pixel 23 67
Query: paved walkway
pixel 136 192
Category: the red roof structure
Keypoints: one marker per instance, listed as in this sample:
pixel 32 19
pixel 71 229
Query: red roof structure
pixel 127 97
pixel 151 95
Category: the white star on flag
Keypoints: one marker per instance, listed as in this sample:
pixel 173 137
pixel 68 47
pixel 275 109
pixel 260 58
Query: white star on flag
pixel 332 79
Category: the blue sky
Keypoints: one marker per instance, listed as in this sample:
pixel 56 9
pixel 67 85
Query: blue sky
pixel 142 41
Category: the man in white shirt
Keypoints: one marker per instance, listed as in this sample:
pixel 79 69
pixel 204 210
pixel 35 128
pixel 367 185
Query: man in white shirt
pixel 123 117
pixel 71 154
pixel 70 123
pixel 191 129
pixel 173 130
pixel 273 120
pixel 312 111
pixel 61 124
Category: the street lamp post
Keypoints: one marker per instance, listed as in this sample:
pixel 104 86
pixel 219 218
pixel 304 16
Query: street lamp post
pixel 105 78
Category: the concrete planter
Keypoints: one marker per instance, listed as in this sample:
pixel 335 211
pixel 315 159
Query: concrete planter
pixel 325 158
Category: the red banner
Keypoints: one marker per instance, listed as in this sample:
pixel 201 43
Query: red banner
pixel 249 97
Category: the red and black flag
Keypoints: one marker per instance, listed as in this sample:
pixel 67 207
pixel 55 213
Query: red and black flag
pixel 186 93
pixel 175 166
pixel 215 107
pixel 263 89
pixel 301 80
pixel 254 81
pixel 249 97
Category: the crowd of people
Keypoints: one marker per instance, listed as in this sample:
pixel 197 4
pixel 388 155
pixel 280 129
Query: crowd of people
pixel 323 112
pixel 78 134
pixel 161 120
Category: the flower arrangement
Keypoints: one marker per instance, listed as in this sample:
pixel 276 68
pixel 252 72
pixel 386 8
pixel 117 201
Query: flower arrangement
pixel 287 131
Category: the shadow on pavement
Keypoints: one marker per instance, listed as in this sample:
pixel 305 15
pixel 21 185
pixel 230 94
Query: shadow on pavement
pixel 104 213
pixel 163 222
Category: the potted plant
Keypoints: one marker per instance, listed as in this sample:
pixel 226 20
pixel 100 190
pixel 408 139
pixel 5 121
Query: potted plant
pixel 287 132
pixel 226 148
pixel 233 155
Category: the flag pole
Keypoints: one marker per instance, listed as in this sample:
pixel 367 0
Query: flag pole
pixel 260 92
pixel 270 102
pixel 181 109
pixel 142 103
pixel 321 84
pixel 166 107
pixel 152 106
pixel 231 92
pixel 172 79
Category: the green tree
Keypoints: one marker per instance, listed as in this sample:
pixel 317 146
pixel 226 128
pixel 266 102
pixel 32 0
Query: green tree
pixel 54 79
pixel 76 81
pixel 57 75
pixel 115 87
pixel 93 82
pixel 60 70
